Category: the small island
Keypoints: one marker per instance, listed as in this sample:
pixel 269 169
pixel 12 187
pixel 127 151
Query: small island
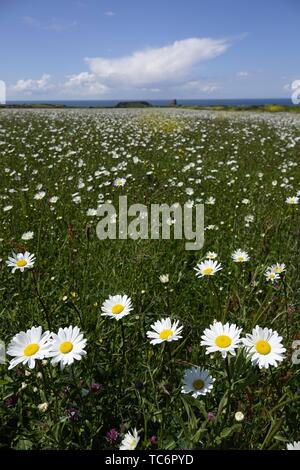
pixel 133 104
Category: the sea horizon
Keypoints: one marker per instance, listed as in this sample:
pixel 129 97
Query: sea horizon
pixel 160 102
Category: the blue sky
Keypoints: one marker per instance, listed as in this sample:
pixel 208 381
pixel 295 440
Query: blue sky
pixel 152 49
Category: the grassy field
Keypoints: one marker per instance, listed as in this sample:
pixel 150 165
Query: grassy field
pixel 56 167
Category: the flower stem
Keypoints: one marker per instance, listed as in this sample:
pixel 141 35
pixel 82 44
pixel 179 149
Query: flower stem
pixel 123 347
pixel 216 292
pixel 47 316
pixel 229 378
pixel 286 308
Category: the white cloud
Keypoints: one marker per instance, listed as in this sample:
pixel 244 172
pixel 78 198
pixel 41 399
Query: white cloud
pixel 30 85
pixel 151 90
pixel 242 74
pixel 200 86
pixel 156 65
pixel 81 79
pixel 210 88
pixel 153 71
pixel 109 13
pixel 84 83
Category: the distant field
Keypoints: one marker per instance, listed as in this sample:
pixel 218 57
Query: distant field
pixel 57 167
pixel 259 108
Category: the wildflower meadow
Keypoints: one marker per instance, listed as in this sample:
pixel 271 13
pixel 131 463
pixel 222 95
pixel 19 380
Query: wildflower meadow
pixel 141 343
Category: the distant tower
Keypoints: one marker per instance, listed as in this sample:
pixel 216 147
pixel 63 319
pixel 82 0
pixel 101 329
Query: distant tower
pixel 173 103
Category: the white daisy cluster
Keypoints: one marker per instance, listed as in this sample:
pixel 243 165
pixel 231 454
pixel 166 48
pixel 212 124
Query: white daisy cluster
pixel 263 346
pixel 63 347
pixel 209 267
pixel 274 272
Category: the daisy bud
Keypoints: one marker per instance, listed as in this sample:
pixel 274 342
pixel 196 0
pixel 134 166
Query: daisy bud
pixel 239 416
pixel 43 407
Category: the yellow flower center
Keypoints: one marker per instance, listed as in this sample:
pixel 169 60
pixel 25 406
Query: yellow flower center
pixel 263 347
pixel 272 275
pixel 66 347
pixel 132 444
pixel 198 384
pixel 223 341
pixel 165 334
pixel 208 271
pixel 21 263
pixel 278 270
pixel 31 349
pixel 240 258
pixel 118 308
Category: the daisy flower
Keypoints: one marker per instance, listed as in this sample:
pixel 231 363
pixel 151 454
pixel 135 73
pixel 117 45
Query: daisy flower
pixel 293 446
pixel 264 347
pixel 249 218
pixel 27 347
pixel 20 261
pixel 240 256
pixel 207 268
pixel 271 276
pixel 130 440
pixel 66 346
pixel 91 212
pixel 164 278
pixel 164 330
pixel 117 306
pixel 292 201
pixel 120 182
pixel 223 338
pixel 211 255
pixel 27 236
pixel 40 195
pixel 197 381
pixel 239 416
pixel 211 201
pixel 277 268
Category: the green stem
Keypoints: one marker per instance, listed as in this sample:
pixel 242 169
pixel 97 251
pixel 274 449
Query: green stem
pixel 227 366
pixel 286 309
pixel 78 313
pixel 217 294
pixel 45 386
pixel 274 382
pixel 123 347
pixel 229 378
pixel 47 316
